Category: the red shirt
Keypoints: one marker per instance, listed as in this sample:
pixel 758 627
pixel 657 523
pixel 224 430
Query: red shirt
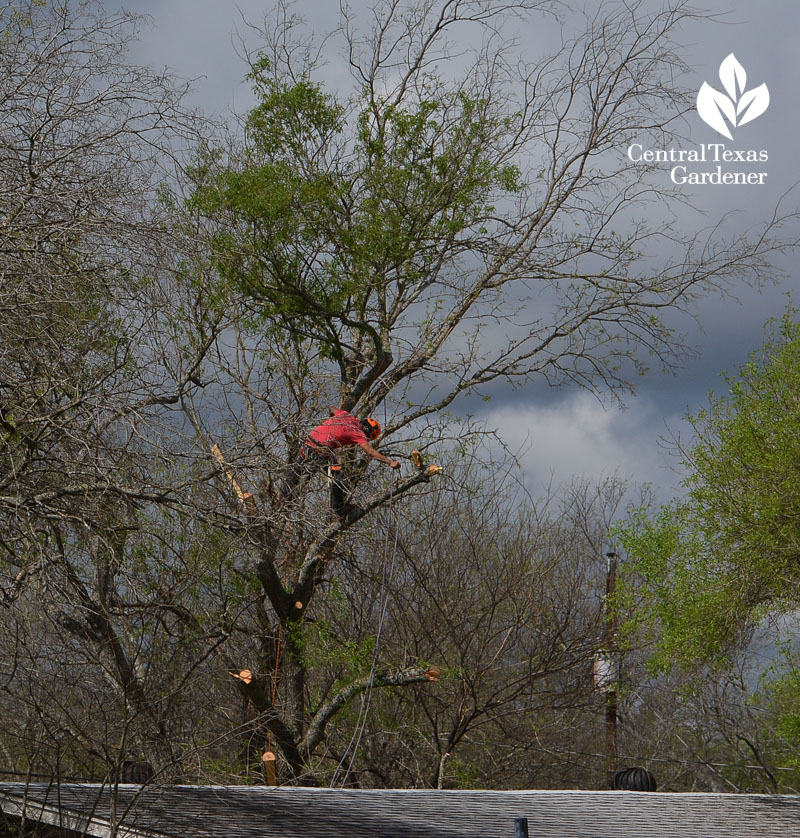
pixel 341 429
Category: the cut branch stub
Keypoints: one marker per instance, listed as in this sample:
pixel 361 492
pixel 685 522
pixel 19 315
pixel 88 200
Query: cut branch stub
pixel 268 762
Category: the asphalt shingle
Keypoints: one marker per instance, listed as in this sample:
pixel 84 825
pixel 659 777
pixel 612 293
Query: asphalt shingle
pixel 264 812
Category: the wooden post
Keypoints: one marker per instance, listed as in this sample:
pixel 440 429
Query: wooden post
pixel 520 828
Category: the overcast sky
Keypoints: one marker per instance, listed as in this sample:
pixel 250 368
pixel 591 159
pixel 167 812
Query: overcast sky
pixel 569 433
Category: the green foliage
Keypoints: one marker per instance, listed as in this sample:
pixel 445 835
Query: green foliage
pixel 322 650
pixel 710 567
pixel 321 221
pixel 463 774
pixel 784 699
pixel 292 119
pixel 673 590
pixel 225 768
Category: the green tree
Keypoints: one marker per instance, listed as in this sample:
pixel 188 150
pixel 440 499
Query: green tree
pixel 716 562
pixel 713 578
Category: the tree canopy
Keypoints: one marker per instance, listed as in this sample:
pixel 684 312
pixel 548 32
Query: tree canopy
pixel 719 560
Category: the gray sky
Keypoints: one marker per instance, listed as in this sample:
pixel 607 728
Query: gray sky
pixel 569 433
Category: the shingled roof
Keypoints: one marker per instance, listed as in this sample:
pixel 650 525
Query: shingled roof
pixel 264 812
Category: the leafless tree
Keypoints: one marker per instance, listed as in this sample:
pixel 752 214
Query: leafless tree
pixel 503 593
pixel 85 139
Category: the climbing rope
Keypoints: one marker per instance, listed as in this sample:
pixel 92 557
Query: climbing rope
pixel 361 721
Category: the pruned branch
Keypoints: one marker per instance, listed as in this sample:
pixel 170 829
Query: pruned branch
pixel 400 678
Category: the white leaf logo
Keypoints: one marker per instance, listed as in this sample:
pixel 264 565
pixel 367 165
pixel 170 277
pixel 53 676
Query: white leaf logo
pixel 732 74
pixel 738 107
pixel 711 105
pixel 752 104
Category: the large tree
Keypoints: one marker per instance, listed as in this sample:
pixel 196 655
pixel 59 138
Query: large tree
pixel 84 139
pixel 453 220
pixel 448 222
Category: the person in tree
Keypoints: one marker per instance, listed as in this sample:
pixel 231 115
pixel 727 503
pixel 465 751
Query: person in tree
pixel 340 430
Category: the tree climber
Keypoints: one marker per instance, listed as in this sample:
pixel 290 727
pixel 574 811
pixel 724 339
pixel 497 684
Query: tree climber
pixel 340 430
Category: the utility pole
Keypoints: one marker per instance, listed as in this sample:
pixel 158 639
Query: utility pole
pixel 606 663
pixel 611 645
